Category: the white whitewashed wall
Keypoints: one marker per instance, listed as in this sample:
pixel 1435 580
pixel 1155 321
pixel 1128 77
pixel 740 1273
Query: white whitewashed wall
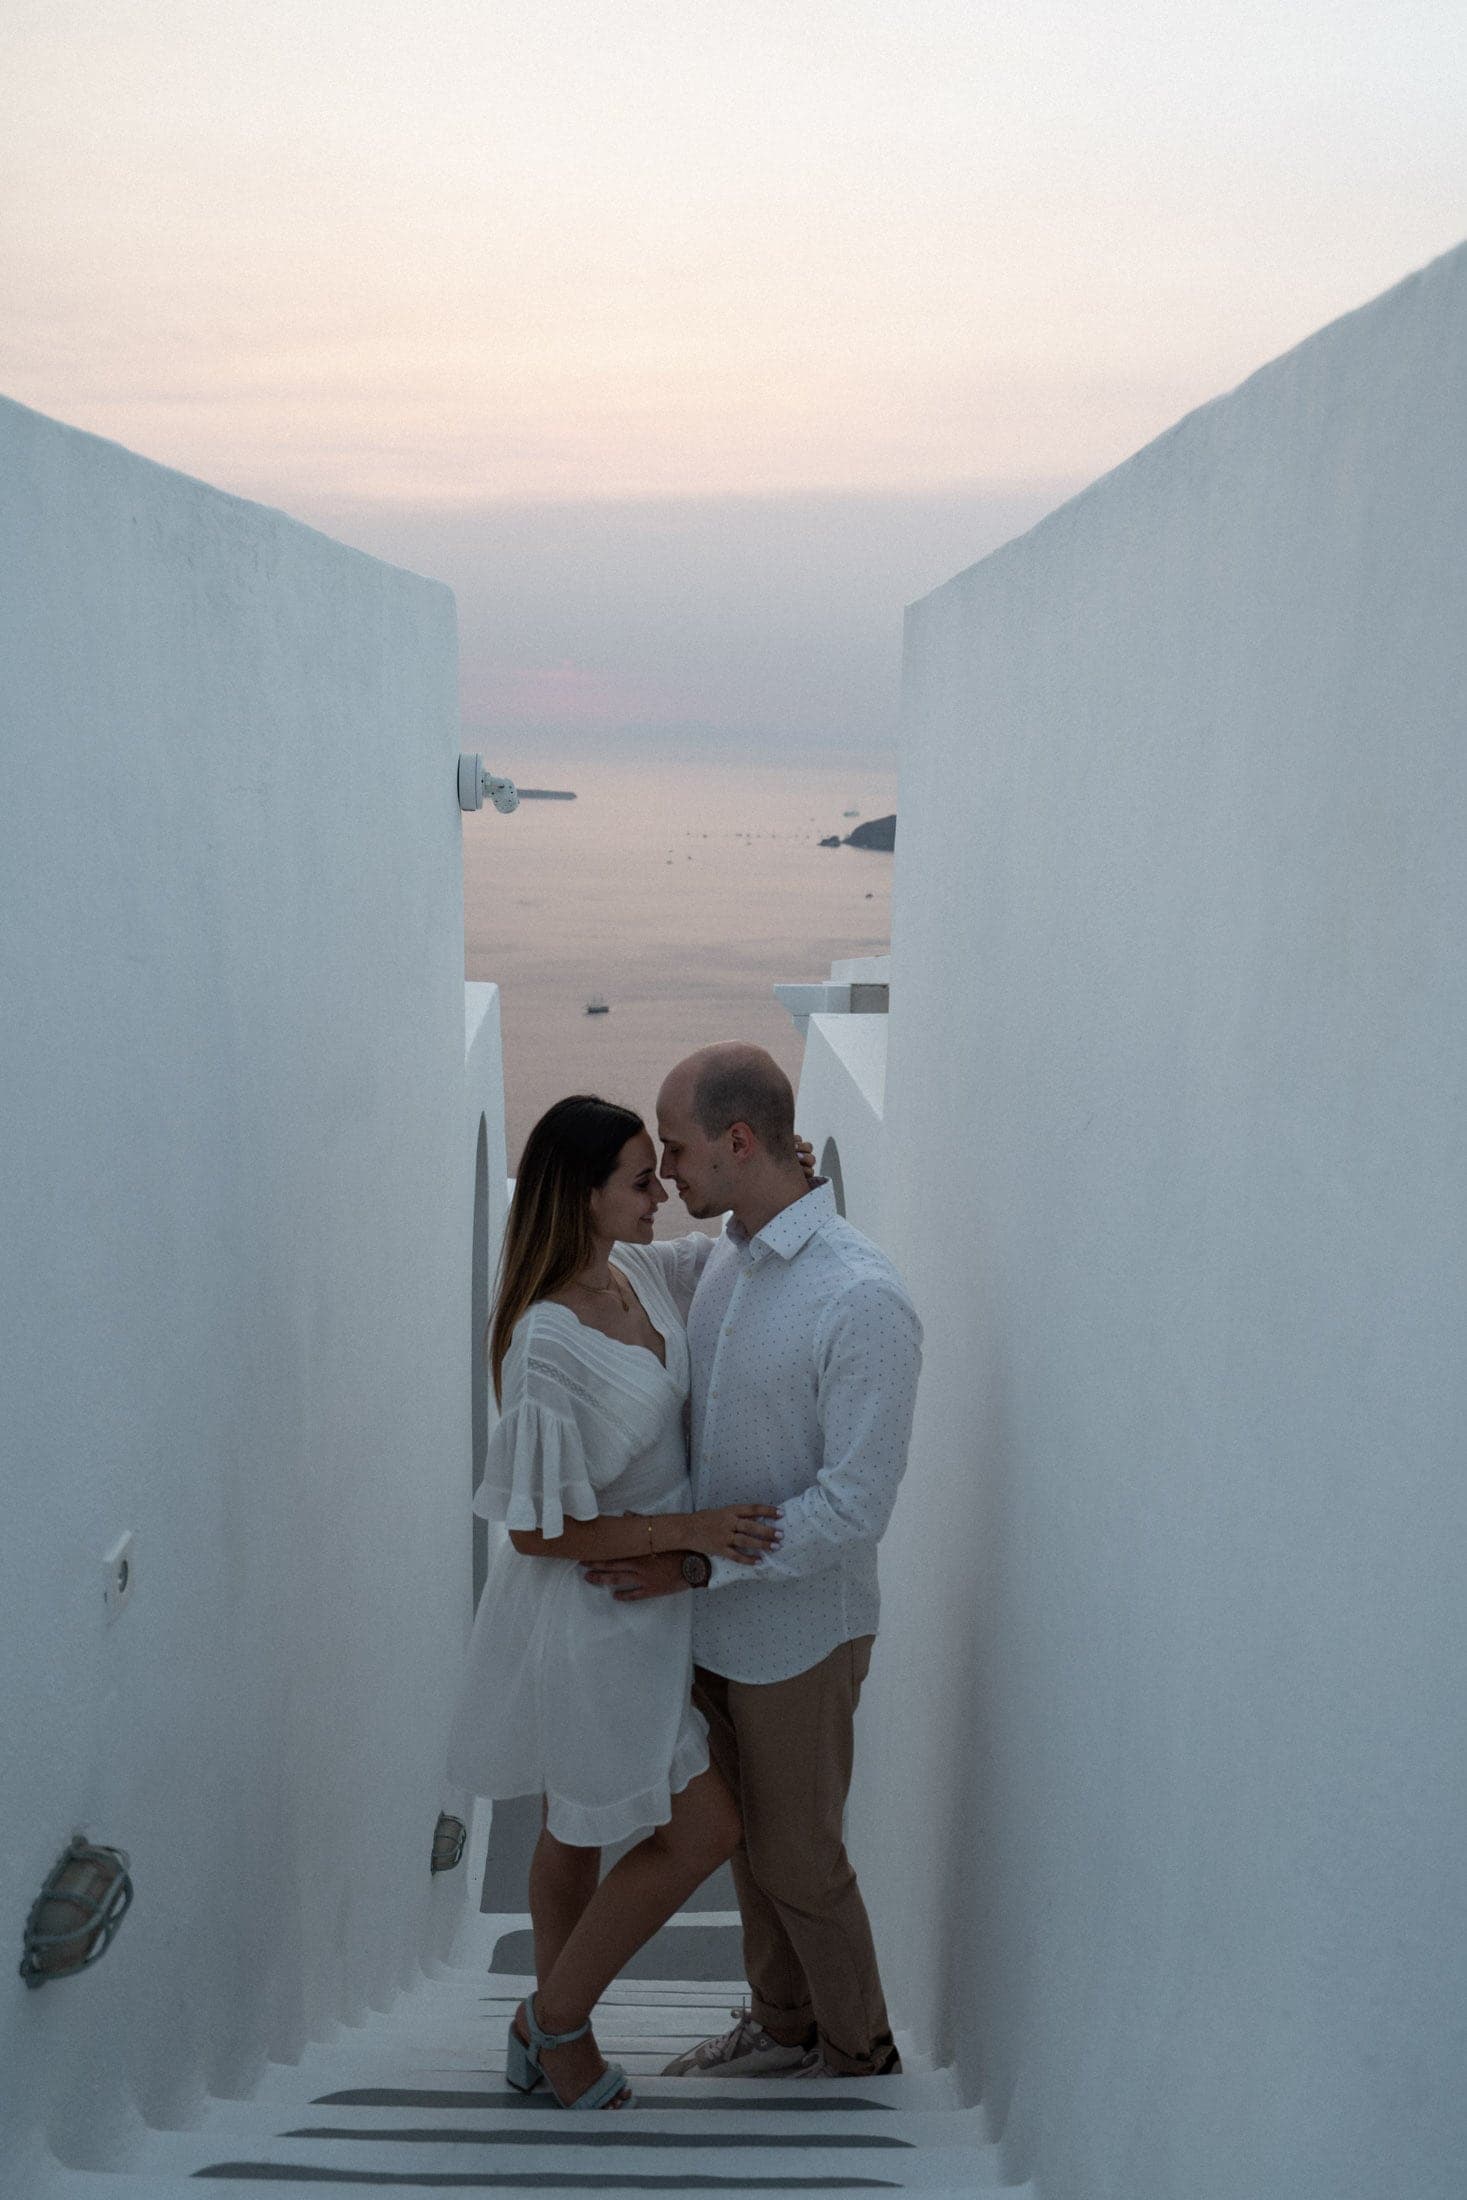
pixel 237 1168
pixel 1163 1822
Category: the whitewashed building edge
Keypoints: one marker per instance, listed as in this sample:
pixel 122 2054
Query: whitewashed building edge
pixel 1172 1163
pixel 237 1221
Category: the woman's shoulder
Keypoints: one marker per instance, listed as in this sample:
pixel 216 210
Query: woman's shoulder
pixel 555 1358
pixel 547 1340
pixel 552 1373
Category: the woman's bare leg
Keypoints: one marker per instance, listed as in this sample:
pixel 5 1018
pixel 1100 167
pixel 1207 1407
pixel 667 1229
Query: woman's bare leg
pixel 639 1894
pixel 562 1882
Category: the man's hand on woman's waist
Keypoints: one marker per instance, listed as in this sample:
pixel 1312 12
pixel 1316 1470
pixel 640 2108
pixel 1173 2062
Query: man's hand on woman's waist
pixel 632 1580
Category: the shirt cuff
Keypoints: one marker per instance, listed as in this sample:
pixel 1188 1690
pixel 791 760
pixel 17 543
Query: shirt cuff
pixel 725 1570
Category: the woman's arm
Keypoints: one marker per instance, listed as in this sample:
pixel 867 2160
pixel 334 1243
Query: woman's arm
pixel 741 1532
pixel 679 1262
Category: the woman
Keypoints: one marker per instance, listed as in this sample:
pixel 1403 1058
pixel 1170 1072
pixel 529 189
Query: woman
pixel 568 1693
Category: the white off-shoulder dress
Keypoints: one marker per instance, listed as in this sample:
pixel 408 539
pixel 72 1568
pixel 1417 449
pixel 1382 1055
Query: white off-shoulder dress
pixel 567 1693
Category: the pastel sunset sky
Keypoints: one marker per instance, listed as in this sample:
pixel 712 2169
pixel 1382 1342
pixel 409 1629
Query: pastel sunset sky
pixel 689 339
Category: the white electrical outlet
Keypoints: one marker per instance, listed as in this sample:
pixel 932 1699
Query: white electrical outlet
pixel 119 1570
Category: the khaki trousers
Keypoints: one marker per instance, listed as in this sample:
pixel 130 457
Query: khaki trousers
pixel 785 1749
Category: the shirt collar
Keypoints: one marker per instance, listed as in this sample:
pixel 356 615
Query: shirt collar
pixel 788 1232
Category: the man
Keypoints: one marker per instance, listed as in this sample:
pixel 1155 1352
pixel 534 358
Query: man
pixel 805 1355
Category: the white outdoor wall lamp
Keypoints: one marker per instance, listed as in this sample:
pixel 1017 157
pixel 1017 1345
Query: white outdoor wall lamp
pixel 474 783
pixel 76 1914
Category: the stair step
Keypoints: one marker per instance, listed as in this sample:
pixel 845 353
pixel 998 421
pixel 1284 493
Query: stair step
pixel 327 2072
pixel 705 2115
pixel 466 1989
pixel 69 2184
pixel 592 2158
pixel 700 2017
pixel 519 2119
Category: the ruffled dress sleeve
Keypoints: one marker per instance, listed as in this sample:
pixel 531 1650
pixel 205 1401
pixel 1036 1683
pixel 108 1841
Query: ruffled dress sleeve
pixel 536 1472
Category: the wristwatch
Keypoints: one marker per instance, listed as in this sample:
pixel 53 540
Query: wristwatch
pixel 697 1569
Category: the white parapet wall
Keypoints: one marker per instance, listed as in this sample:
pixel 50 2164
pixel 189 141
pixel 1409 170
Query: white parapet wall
pixel 1164 1834
pixel 240 1261
pixel 843 1022
pixel 842 1094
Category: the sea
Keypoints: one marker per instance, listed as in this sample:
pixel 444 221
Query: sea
pixel 676 892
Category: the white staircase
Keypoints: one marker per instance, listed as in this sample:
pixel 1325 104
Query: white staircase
pixel 415 2100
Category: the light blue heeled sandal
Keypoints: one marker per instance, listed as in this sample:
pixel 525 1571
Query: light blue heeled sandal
pixel 523 2071
pixel 521 2064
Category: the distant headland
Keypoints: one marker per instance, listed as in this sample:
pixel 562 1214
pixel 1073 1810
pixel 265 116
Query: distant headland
pixel 877 832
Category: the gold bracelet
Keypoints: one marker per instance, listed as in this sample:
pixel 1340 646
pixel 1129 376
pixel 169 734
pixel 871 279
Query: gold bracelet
pixel 651 1553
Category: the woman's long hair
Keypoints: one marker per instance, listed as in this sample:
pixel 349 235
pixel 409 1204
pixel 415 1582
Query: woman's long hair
pixel 568 1155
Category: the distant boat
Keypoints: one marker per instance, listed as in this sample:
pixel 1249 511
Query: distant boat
pixel 598 1007
pixel 850 813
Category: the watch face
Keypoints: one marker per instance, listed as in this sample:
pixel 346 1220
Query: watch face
pixel 697 1571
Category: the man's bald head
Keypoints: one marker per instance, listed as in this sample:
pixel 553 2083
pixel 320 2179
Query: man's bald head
pixel 726 1118
pixel 737 1083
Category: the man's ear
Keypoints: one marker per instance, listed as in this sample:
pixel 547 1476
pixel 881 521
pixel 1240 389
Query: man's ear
pixel 742 1141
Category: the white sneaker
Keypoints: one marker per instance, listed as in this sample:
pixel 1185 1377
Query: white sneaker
pixel 747 2051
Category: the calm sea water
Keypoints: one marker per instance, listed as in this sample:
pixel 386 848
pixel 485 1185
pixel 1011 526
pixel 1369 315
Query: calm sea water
pixel 679 894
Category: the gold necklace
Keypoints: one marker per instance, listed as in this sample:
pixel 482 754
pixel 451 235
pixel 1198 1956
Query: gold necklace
pixel 604 1287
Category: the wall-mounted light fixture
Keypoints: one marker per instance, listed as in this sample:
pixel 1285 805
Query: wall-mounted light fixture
pixel 474 783
pixel 449 1836
pixel 76 1914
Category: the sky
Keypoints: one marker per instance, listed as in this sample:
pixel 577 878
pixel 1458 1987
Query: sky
pixel 689 339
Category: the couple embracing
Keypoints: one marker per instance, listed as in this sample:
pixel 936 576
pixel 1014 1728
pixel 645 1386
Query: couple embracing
pixel 681 1656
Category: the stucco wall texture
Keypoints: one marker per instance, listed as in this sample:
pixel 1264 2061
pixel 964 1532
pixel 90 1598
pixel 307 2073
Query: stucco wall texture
pixel 1165 1829
pixel 237 1190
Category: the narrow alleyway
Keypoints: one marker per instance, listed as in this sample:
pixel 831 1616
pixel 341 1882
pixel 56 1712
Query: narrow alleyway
pixel 415 2099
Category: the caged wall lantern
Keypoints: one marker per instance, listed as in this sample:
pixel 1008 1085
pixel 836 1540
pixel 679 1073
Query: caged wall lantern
pixel 75 1917
pixel 449 1836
